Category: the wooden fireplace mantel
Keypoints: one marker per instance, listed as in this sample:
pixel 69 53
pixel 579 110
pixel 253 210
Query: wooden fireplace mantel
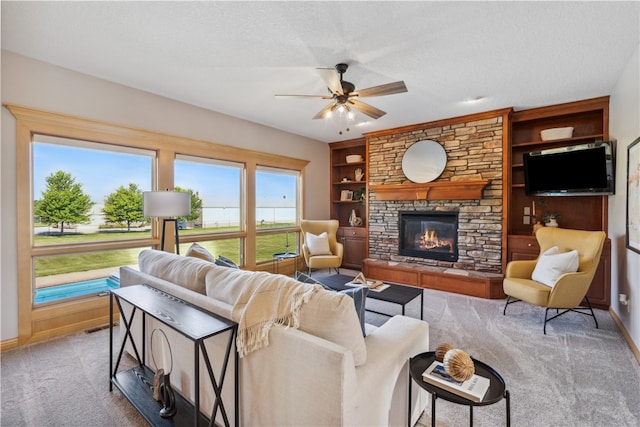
pixel 445 190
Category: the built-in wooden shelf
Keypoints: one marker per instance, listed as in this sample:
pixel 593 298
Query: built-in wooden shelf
pixel 449 190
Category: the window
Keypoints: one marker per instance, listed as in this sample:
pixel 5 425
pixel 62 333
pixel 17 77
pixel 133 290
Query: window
pixel 99 166
pixel 218 185
pixel 83 193
pixel 277 211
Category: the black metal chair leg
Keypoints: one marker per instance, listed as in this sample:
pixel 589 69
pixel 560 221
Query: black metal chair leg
pixel 504 312
pixel 544 329
pixel 591 310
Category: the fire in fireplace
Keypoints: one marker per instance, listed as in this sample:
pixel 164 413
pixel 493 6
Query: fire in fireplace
pixel 429 234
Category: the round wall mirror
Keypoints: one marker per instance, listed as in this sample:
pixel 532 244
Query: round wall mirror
pixel 424 161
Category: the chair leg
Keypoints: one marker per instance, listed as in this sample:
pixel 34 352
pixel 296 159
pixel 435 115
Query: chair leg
pixel 309 271
pixel 544 329
pixel 591 310
pixel 575 310
pixel 504 312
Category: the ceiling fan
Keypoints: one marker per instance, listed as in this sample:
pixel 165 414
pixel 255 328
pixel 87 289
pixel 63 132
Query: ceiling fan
pixel 344 96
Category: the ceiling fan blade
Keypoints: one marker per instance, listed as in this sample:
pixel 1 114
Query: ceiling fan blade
pixel 321 113
pixel 331 79
pixel 386 89
pixel 305 96
pixel 367 109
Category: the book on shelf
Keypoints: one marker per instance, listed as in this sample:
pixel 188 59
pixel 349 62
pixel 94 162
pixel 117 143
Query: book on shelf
pixel 374 285
pixel 473 389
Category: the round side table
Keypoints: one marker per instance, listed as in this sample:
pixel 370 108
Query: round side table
pixel 497 388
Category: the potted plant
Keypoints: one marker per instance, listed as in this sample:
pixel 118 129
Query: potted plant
pixel 549 218
pixel 360 195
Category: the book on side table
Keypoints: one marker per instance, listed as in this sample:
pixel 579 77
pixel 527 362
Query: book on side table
pixel 473 389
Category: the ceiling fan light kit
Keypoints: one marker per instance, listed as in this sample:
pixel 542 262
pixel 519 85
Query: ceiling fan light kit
pixel 343 94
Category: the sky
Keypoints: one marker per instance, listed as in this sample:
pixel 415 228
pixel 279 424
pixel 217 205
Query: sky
pixel 102 172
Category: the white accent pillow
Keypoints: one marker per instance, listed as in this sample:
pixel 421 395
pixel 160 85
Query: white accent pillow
pixel 552 264
pixel 318 245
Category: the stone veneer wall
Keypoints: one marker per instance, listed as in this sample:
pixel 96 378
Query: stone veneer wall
pixel 474 151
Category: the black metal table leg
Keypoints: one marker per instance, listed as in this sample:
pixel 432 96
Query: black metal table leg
pixel 470 415
pixel 508 399
pixel 409 408
pixel 433 410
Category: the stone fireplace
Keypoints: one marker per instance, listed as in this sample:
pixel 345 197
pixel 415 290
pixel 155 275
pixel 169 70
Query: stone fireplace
pixel 428 234
pixel 474 147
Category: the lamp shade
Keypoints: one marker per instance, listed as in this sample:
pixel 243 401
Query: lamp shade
pixel 166 203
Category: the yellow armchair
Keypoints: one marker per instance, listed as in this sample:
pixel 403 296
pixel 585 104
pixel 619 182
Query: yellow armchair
pixel 333 259
pixel 570 289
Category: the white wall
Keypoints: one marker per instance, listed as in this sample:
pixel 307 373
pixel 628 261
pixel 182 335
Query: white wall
pixel 624 127
pixel 43 86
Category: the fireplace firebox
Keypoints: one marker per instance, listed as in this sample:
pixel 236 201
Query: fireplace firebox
pixel 429 234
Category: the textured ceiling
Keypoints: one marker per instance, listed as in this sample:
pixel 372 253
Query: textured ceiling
pixel 233 57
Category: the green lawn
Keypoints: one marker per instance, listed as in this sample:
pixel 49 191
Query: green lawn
pixel 61 264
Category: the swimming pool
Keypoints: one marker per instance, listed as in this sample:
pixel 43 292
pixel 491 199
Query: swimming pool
pixel 70 290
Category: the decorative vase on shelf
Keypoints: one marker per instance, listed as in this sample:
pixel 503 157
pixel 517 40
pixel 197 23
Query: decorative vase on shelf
pixel 353 218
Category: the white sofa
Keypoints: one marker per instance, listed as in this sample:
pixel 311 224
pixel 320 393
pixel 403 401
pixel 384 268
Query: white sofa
pixel 324 373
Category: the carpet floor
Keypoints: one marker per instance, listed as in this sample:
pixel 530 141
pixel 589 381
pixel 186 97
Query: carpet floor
pixel 575 375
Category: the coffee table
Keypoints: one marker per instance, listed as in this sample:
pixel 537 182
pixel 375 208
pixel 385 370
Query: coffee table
pixel 394 294
pixel 497 388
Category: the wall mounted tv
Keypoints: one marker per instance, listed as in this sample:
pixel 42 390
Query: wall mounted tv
pixel 578 170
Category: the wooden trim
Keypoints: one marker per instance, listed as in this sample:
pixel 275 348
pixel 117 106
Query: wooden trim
pixel 68 126
pixel 449 190
pixel 601 103
pixel 8 344
pixel 442 122
pixel 632 346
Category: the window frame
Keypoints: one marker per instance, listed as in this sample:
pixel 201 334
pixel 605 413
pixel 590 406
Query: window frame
pixel 37 323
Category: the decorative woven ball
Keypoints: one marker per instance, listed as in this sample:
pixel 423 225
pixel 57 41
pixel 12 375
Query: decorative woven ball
pixel 441 350
pixel 458 364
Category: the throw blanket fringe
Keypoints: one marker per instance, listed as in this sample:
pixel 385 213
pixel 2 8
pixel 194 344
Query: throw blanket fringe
pixel 264 303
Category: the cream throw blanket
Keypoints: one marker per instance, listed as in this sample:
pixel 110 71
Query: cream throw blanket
pixel 266 300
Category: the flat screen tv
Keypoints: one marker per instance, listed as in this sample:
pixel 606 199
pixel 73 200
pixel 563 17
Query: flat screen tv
pixel 578 170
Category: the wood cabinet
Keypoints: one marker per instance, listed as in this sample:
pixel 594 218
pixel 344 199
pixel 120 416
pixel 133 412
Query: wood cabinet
pixel 590 120
pixel 354 240
pixel 526 247
pixel 344 181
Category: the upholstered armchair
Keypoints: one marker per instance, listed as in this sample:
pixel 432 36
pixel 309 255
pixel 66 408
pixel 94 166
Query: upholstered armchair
pixel 320 246
pixel 561 275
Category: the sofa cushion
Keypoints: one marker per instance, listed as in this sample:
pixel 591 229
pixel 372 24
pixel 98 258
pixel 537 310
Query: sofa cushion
pixel 318 245
pixel 188 272
pixel 197 251
pixel 552 264
pixel 225 262
pixel 358 293
pixel 327 314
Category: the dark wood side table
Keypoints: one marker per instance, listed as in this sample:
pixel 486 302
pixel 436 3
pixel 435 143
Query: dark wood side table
pixel 195 324
pixel 497 388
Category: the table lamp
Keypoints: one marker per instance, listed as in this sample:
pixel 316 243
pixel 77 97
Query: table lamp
pixel 167 205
